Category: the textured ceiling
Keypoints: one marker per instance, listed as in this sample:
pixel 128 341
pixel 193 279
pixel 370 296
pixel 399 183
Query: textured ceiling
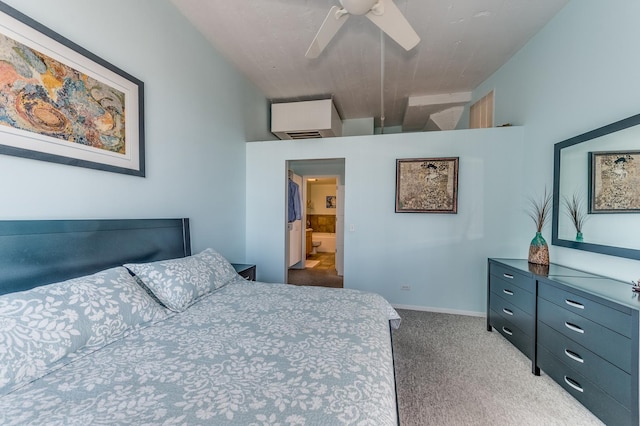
pixel 462 43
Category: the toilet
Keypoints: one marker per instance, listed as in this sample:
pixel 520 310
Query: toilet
pixel 314 246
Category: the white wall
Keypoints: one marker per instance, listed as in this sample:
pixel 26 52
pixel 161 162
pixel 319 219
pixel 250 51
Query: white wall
pixel 195 117
pixel 579 73
pixel 318 195
pixel 441 256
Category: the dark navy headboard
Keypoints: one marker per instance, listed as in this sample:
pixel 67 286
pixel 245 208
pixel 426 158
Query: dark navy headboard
pixel 39 252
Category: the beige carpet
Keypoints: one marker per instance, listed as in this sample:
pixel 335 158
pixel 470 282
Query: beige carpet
pixel 451 371
pixel 315 277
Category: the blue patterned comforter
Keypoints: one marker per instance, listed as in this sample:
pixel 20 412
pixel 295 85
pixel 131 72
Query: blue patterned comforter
pixel 249 354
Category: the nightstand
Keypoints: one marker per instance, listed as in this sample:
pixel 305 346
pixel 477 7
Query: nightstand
pixel 246 271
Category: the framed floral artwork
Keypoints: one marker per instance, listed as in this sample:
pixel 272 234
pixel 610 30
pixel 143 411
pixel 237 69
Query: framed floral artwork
pixel 614 182
pixel 427 185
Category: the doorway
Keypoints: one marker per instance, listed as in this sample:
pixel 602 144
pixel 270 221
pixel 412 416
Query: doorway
pixel 315 252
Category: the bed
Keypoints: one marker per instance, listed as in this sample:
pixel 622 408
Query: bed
pixel 176 337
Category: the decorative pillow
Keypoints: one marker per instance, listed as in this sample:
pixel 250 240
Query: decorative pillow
pixel 47 326
pixel 179 283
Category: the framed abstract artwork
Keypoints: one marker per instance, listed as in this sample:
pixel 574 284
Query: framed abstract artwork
pixel 614 182
pixel 63 104
pixel 331 201
pixel 427 185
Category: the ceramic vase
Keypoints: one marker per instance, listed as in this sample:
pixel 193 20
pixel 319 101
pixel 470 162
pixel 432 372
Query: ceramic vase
pixel 539 250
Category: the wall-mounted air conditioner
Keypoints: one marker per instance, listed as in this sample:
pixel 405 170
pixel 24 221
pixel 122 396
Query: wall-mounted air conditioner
pixel 305 120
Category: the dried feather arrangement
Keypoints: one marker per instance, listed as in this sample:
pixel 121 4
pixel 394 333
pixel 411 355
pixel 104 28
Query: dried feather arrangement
pixel 576 210
pixel 540 209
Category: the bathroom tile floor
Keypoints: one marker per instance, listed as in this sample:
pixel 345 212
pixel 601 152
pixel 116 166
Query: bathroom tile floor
pixel 327 261
pixel 323 274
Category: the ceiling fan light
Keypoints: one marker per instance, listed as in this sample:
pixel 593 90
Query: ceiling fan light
pixel 383 13
pixel 358 7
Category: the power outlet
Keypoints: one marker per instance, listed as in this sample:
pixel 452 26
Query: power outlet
pixel 405 287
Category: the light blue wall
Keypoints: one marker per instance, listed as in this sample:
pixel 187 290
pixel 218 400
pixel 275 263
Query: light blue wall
pixel 579 73
pixel 441 256
pixel 196 127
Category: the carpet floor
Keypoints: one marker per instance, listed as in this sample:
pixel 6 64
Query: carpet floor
pixel 451 371
pixel 314 277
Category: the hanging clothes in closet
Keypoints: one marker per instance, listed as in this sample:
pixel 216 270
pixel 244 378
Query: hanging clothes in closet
pixel 295 204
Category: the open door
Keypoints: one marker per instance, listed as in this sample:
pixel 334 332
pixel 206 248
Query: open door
pixel 323 194
pixel 295 227
pixel 340 229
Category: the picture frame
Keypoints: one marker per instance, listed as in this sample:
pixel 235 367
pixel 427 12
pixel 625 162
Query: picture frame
pixel 331 202
pixel 64 104
pixel 614 182
pixel 427 185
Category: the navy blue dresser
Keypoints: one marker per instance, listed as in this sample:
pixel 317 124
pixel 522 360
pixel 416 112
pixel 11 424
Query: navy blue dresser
pixel 579 328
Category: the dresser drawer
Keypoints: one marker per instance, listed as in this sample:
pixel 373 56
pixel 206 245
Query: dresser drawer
pixel 523 299
pixel 608 344
pixel 513 314
pixel 602 405
pixel 614 319
pixel 513 334
pixel 605 375
pixel 510 275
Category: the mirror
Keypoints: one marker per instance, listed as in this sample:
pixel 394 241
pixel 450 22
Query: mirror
pixel 600 170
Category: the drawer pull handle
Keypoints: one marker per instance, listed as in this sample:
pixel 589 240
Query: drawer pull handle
pixel 573 384
pixel 574 304
pixel 574 327
pixel 574 356
pixel 506 330
pixel 507 292
pixel 507 276
pixel 507 311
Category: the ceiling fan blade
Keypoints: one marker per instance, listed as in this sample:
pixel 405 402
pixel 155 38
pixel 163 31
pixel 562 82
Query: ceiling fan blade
pixel 332 23
pixel 394 24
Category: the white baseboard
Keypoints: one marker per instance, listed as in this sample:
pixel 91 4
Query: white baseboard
pixel 441 310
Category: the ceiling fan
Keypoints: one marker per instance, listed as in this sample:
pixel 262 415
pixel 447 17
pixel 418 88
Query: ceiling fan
pixel 384 13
